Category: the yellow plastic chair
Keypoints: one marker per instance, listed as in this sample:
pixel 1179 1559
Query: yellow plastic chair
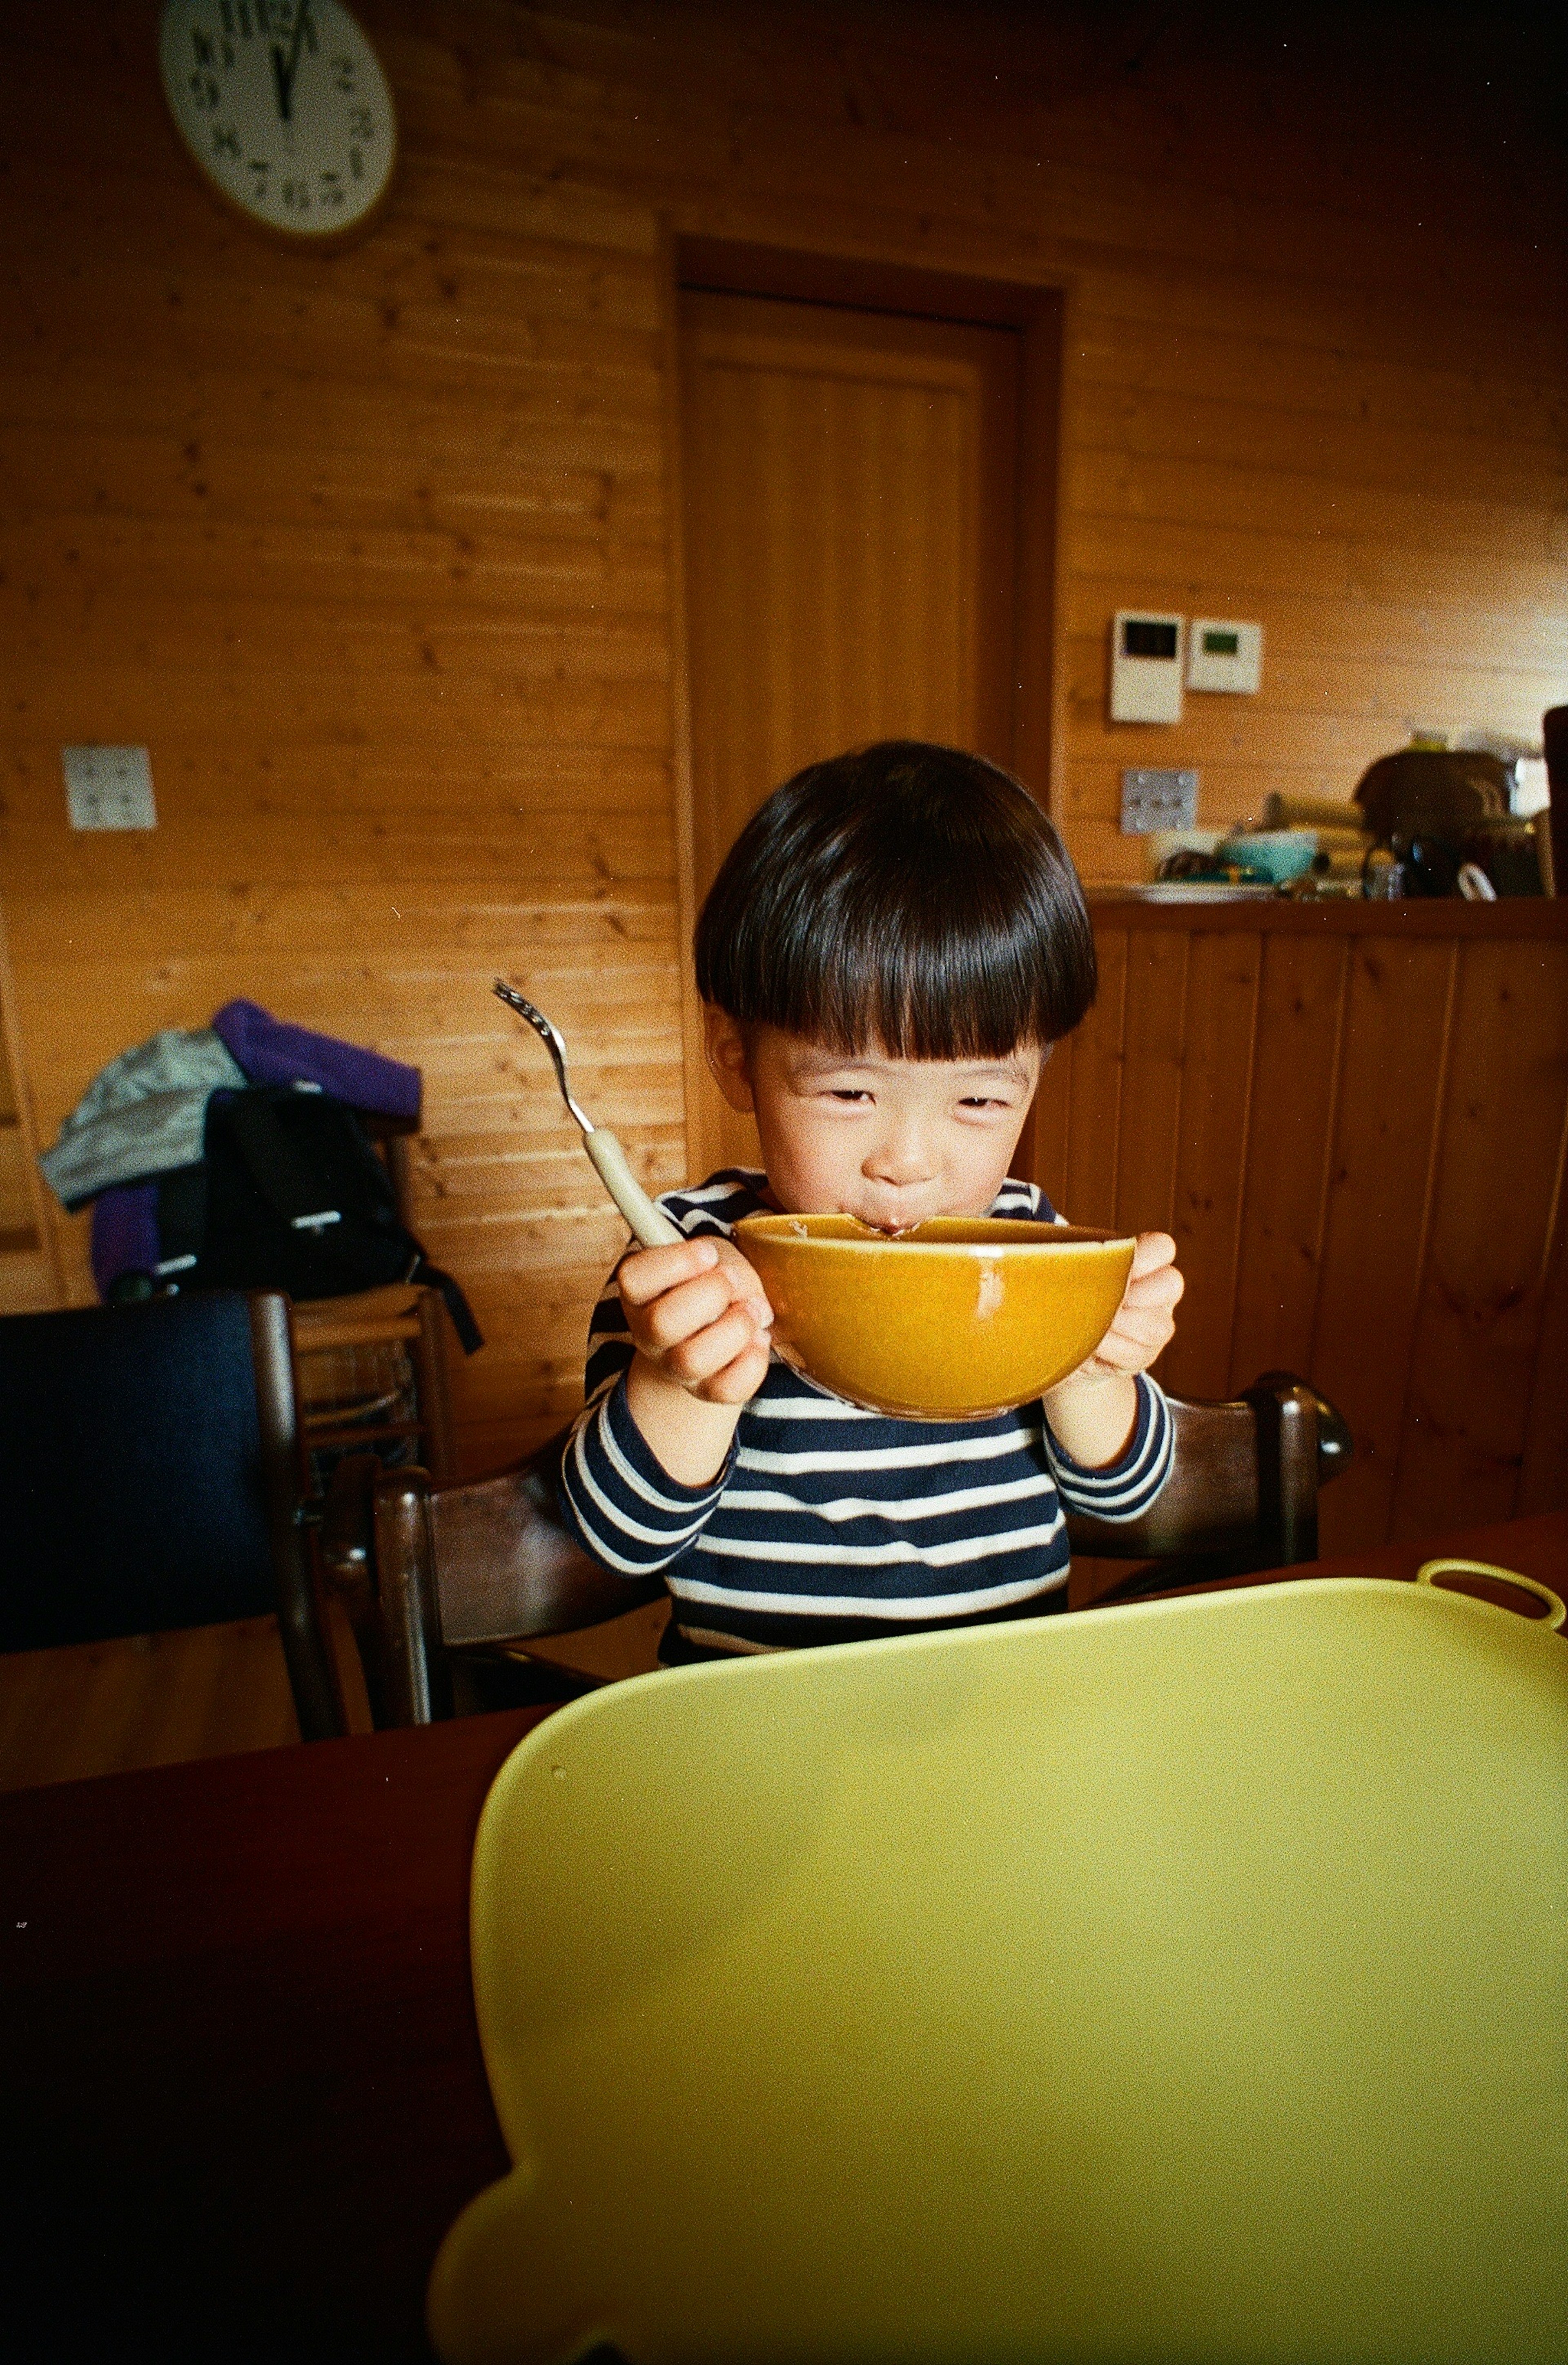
pixel 1182 1983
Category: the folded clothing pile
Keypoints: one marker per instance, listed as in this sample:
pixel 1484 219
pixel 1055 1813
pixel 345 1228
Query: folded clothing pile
pixel 233 1156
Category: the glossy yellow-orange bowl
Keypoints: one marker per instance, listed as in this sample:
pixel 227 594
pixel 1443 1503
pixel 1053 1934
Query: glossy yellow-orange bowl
pixel 956 1318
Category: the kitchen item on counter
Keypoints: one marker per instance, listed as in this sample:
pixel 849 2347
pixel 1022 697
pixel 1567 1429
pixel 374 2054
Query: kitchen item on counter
pixel 1507 851
pixel 1280 855
pixel 1200 890
pixel 1341 862
pixel 650 1228
pixel 1435 795
pixel 1163 844
pixel 1540 824
pixel 955 1319
pixel 1311 812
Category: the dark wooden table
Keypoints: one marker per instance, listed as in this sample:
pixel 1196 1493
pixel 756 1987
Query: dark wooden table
pixel 243 2091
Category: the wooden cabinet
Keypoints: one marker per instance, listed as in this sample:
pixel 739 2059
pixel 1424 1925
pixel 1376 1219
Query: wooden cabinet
pixel 1353 1120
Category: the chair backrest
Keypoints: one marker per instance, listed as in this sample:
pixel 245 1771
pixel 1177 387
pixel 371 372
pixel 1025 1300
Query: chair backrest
pixel 424 1570
pixel 150 1457
pixel 1243 1492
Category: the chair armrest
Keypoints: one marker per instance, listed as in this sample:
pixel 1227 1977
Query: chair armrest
pixel 509 1568
pixel 1242 1493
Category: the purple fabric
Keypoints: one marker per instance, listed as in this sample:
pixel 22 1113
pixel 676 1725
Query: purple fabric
pixel 272 1053
pixel 125 1232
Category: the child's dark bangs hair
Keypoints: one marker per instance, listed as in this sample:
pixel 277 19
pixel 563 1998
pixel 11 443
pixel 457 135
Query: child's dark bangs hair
pixel 906 895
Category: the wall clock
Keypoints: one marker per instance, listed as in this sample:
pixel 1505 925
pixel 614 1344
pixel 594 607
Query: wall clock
pixel 284 108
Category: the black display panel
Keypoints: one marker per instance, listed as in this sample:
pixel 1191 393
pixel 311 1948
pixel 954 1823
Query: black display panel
pixel 1141 638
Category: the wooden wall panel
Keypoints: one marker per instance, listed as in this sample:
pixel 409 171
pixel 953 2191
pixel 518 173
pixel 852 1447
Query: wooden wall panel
pixel 1154 1016
pixel 1368 1150
pixel 1213 1144
pixel 1296 1082
pixel 1393 1076
pixel 1096 1098
pixel 374 550
pixel 1479 1327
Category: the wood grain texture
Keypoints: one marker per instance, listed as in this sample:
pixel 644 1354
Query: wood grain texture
pixel 374 550
pixel 849 555
pixel 1296 1081
pixel 1362 1117
pixel 1212 1148
pixel 1479 1324
pixel 1393 1077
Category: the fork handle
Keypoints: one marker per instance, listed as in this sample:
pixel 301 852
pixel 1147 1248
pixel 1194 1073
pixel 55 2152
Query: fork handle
pixel 650 1226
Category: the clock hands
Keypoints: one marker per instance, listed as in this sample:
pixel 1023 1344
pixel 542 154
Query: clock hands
pixel 284 69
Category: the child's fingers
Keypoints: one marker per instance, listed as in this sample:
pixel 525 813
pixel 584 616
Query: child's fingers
pixel 684 1313
pixel 700 1358
pixel 738 1382
pixel 1151 1250
pixel 1155 1292
pixel 646 1274
pixel 746 1280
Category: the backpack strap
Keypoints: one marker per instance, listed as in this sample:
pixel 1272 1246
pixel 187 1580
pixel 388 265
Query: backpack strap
pixel 457 1306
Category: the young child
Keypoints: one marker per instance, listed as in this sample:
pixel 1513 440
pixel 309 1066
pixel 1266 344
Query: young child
pixel 890 949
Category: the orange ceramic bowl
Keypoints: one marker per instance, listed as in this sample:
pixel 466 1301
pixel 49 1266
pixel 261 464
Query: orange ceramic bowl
pixel 959 1318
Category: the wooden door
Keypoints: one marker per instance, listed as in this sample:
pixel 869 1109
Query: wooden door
pixel 850 487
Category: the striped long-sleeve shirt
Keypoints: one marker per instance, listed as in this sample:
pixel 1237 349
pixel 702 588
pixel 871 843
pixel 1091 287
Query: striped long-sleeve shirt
pixel 827 1523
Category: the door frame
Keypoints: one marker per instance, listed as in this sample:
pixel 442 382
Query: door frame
pixel 739 267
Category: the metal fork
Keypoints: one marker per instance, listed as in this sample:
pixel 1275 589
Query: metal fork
pixel 650 1226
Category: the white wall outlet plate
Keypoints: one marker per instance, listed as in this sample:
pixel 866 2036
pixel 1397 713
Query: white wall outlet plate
pixel 1223 655
pixel 1152 800
pixel 1146 666
pixel 109 787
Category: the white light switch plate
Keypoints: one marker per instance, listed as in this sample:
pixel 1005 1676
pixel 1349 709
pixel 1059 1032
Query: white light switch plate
pixel 109 787
pixel 1158 800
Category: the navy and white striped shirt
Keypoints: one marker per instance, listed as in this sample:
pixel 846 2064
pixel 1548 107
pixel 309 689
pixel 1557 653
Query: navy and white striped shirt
pixel 827 1523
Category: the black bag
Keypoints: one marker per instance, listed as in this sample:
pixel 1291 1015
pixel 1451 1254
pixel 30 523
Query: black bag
pixel 291 1195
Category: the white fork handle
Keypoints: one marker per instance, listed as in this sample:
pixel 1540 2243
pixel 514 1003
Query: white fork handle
pixel 651 1229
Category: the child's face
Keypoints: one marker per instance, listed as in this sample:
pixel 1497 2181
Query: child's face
pixel 890 1141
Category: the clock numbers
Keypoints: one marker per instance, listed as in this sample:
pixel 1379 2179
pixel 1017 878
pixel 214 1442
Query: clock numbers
pixel 284 105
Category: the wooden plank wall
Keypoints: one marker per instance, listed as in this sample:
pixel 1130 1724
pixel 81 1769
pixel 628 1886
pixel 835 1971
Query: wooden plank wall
pixel 374 550
pixel 1354 1125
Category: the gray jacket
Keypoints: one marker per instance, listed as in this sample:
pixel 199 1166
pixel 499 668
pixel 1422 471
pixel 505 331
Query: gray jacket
pixel 142 1115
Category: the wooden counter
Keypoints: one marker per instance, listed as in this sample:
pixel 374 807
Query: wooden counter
pixel 1353 1118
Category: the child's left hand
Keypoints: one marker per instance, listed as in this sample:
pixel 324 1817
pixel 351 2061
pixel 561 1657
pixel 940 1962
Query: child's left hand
pixel 1145 1322
pixel 1093 1411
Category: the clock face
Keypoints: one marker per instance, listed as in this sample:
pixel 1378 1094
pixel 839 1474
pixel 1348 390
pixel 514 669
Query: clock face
pixel 284 106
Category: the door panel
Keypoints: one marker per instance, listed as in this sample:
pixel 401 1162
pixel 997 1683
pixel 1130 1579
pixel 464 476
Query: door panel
pixel 850 501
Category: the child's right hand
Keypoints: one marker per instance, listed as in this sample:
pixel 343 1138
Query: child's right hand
pixel 699 1317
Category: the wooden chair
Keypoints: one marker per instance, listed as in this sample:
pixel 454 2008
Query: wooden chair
pixel 150 1460
pixel 429 1574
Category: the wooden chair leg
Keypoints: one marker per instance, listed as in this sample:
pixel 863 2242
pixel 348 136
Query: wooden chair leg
pixel 302 1630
